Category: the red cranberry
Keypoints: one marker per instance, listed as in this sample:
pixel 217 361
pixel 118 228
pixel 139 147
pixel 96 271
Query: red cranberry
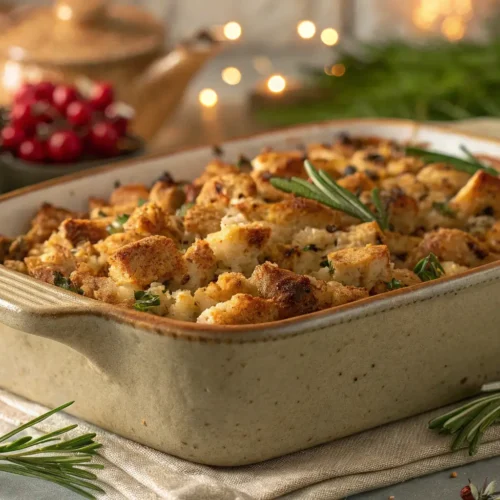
pixel 102 95
pixel 12 137
pixel 24 92
pixel 104 139
pixel 22 115
pixel 119 114
pixel 64 146
pixel 32 150
pixel 63 96
pixel 466 493
pixel 79 113
pixel 43 91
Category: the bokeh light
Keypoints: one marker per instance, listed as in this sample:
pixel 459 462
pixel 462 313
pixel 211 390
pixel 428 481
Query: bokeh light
pixel 232 30
pixel 306 29
pixel 231 75
pixel 208 98
pixel 453 28
pixel 276 84
pixel 338 70
pixel 329 36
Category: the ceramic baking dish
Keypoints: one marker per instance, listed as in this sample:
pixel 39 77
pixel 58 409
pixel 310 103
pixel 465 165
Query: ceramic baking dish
pixel 243 394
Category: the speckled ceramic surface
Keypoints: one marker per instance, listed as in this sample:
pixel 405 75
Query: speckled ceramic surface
pixel 237 395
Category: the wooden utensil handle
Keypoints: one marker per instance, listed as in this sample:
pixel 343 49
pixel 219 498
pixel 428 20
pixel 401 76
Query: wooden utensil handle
pixel 80 10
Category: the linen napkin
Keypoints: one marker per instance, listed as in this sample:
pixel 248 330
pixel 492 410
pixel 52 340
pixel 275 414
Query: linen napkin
pixel 379 457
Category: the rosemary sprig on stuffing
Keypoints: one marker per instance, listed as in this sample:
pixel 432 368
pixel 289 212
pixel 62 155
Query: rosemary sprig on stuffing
pixel 326 191
pixel 470 165
pixel 429 268
pixel 64 463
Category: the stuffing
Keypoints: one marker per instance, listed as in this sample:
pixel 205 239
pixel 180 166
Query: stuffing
pixel 241 309
pixel 229 248
pixel 129 195
pixel 443 178
pixel 238 247
pixel 361 267
pixel 155 258
pixel 169 197
pixel 452 245
pixel 480 196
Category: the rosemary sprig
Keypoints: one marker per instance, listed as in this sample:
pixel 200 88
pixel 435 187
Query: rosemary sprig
pixel 429 268
pixel 326 191
pixel 471 165
pixel 144 301
pixel 394 284
pixel 64 463
pixel 469 421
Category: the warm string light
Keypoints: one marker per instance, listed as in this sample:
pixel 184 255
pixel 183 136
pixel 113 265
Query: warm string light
pixel 306 29
pixel 276 84
pixel 231 75
pixel 329 36
pixel 232 30
pixel 208 98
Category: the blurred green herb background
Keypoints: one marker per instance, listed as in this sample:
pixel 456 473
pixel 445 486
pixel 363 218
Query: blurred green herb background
pixel 436 81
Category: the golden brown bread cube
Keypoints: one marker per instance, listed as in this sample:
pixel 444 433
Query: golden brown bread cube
pixel 241 309
pixel 200 263
pixel 443 178
pixel 361 267
pixel 155 258
pixel 80 230
pixel 167 196
pixel 493 237
pixel 281 163
pixel 129 195
pixel 481 195
pixel 452 245
pixel 357 183
pixel 227 285
pixel 149 219
pixel 203 220
pixel 368 233
pixel 46 221
pixel 215 167
pixel 403 212
pixel 221 189
pixel 407 183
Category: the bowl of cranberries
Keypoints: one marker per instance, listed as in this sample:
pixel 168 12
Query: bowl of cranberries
pixel 55 129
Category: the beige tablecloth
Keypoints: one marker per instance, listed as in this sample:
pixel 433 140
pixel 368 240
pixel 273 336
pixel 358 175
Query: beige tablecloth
pixel 372 459
pixel 376 458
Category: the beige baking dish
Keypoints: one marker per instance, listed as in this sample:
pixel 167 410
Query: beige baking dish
pixel 237 395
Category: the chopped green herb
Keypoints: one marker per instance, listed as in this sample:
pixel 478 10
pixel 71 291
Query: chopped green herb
pixel 101 214
pixel 394 284
pixel 63 282
pixel 141 202
pixel 310 248
pixel 182 211
pixel 429 268
pixel 117 225
pixel 144 301
pixel 328 264
pixel 444 209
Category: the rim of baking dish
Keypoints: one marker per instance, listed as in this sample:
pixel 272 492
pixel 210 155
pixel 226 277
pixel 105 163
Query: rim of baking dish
pixel 346 313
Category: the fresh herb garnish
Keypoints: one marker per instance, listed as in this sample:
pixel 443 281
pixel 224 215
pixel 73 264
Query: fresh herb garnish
pixel 471 165
pixel 310 248
pixel 469 421
pixel 444 209
pixel 144 301
pixel 326 191
pixel 182 211
pixel 328 264
pixel 62 282
pixel 429 268
pixel 394 284
pixel 117 225
pixel 101 214
pixel 382 213
pixel 64 463
pixel 141 202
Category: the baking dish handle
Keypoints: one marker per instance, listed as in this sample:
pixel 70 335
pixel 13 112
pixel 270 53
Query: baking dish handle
pixel 35 307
